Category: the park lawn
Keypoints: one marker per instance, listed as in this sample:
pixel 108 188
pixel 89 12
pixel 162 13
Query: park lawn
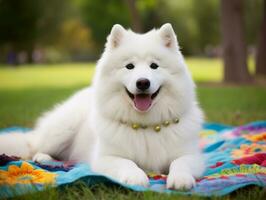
pixel 102 192
pixel 233 105
pixel 67 75
pixel 28 91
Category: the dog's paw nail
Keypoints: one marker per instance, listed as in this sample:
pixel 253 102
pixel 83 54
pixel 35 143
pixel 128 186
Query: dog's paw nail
pixel 183 181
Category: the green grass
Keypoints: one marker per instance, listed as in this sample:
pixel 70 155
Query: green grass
pixel 46 76
pixel 80 191
pixel 233 105
pixel 31 76
pixel 28 91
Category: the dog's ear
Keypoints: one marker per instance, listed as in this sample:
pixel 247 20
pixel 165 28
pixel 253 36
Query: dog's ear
pixel 168 36
pixel 116 35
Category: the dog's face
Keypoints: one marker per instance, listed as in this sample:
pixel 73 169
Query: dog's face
pixel 143 74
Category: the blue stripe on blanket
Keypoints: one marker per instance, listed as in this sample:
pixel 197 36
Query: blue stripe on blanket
pixel 235 157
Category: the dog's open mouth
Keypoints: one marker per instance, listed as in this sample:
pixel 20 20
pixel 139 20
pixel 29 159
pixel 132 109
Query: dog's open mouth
pixel 143 101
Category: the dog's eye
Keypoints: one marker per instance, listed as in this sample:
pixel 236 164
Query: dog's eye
pixel 130 66
pixel 154 66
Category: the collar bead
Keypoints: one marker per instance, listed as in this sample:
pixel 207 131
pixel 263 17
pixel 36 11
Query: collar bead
pixel 135 126
pixel 157 128
pixel 166 123
pixel 176 120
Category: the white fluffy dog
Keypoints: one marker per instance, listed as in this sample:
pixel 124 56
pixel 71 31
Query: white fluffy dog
pixel 139 115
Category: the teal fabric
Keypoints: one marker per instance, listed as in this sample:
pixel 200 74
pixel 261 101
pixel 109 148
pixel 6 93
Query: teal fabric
pixel 235 158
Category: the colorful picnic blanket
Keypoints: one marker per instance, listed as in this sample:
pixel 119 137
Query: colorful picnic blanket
pixel 235 157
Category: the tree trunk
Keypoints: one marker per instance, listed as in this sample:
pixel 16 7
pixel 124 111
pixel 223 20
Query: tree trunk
pixel 234 45
pixel 261 50
pixel 134 15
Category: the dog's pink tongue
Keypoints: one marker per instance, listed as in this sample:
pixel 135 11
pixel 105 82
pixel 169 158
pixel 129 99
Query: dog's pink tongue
pixel 142 101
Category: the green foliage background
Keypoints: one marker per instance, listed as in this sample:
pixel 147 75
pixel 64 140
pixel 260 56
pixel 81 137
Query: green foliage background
pixel 25 24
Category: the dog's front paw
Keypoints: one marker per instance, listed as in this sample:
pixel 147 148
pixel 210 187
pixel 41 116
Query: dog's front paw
pixel 133 177
pixel 180 181
pixel 41 157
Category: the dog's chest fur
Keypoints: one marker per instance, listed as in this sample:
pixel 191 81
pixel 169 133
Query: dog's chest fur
pixel 150 150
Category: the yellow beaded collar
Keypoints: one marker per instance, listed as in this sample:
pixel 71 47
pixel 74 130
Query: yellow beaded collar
pixel 155 127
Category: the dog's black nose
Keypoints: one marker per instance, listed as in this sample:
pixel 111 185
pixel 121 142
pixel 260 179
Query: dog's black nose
pixel 143 84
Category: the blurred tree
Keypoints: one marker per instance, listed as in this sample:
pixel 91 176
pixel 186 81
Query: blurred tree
pixel 59 24
pixel 261 51
pixel 234 45
pixel 101 15
pixel 196 24
pixel 148 11
pixel 206 18
pixel 75 41
pixel 23 23
pixel 252 17
pixel 179 14
pixel 18 23
pixel 136 23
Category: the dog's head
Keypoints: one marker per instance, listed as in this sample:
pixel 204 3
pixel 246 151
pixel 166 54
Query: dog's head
pixel 143 76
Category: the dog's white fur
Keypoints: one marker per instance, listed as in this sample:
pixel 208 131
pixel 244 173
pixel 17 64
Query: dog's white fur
pixel 87 127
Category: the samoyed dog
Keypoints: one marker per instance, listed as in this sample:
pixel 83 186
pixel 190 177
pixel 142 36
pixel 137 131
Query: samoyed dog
pixel 140 115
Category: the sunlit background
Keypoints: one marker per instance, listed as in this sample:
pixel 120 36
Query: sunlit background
pixel 48 50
